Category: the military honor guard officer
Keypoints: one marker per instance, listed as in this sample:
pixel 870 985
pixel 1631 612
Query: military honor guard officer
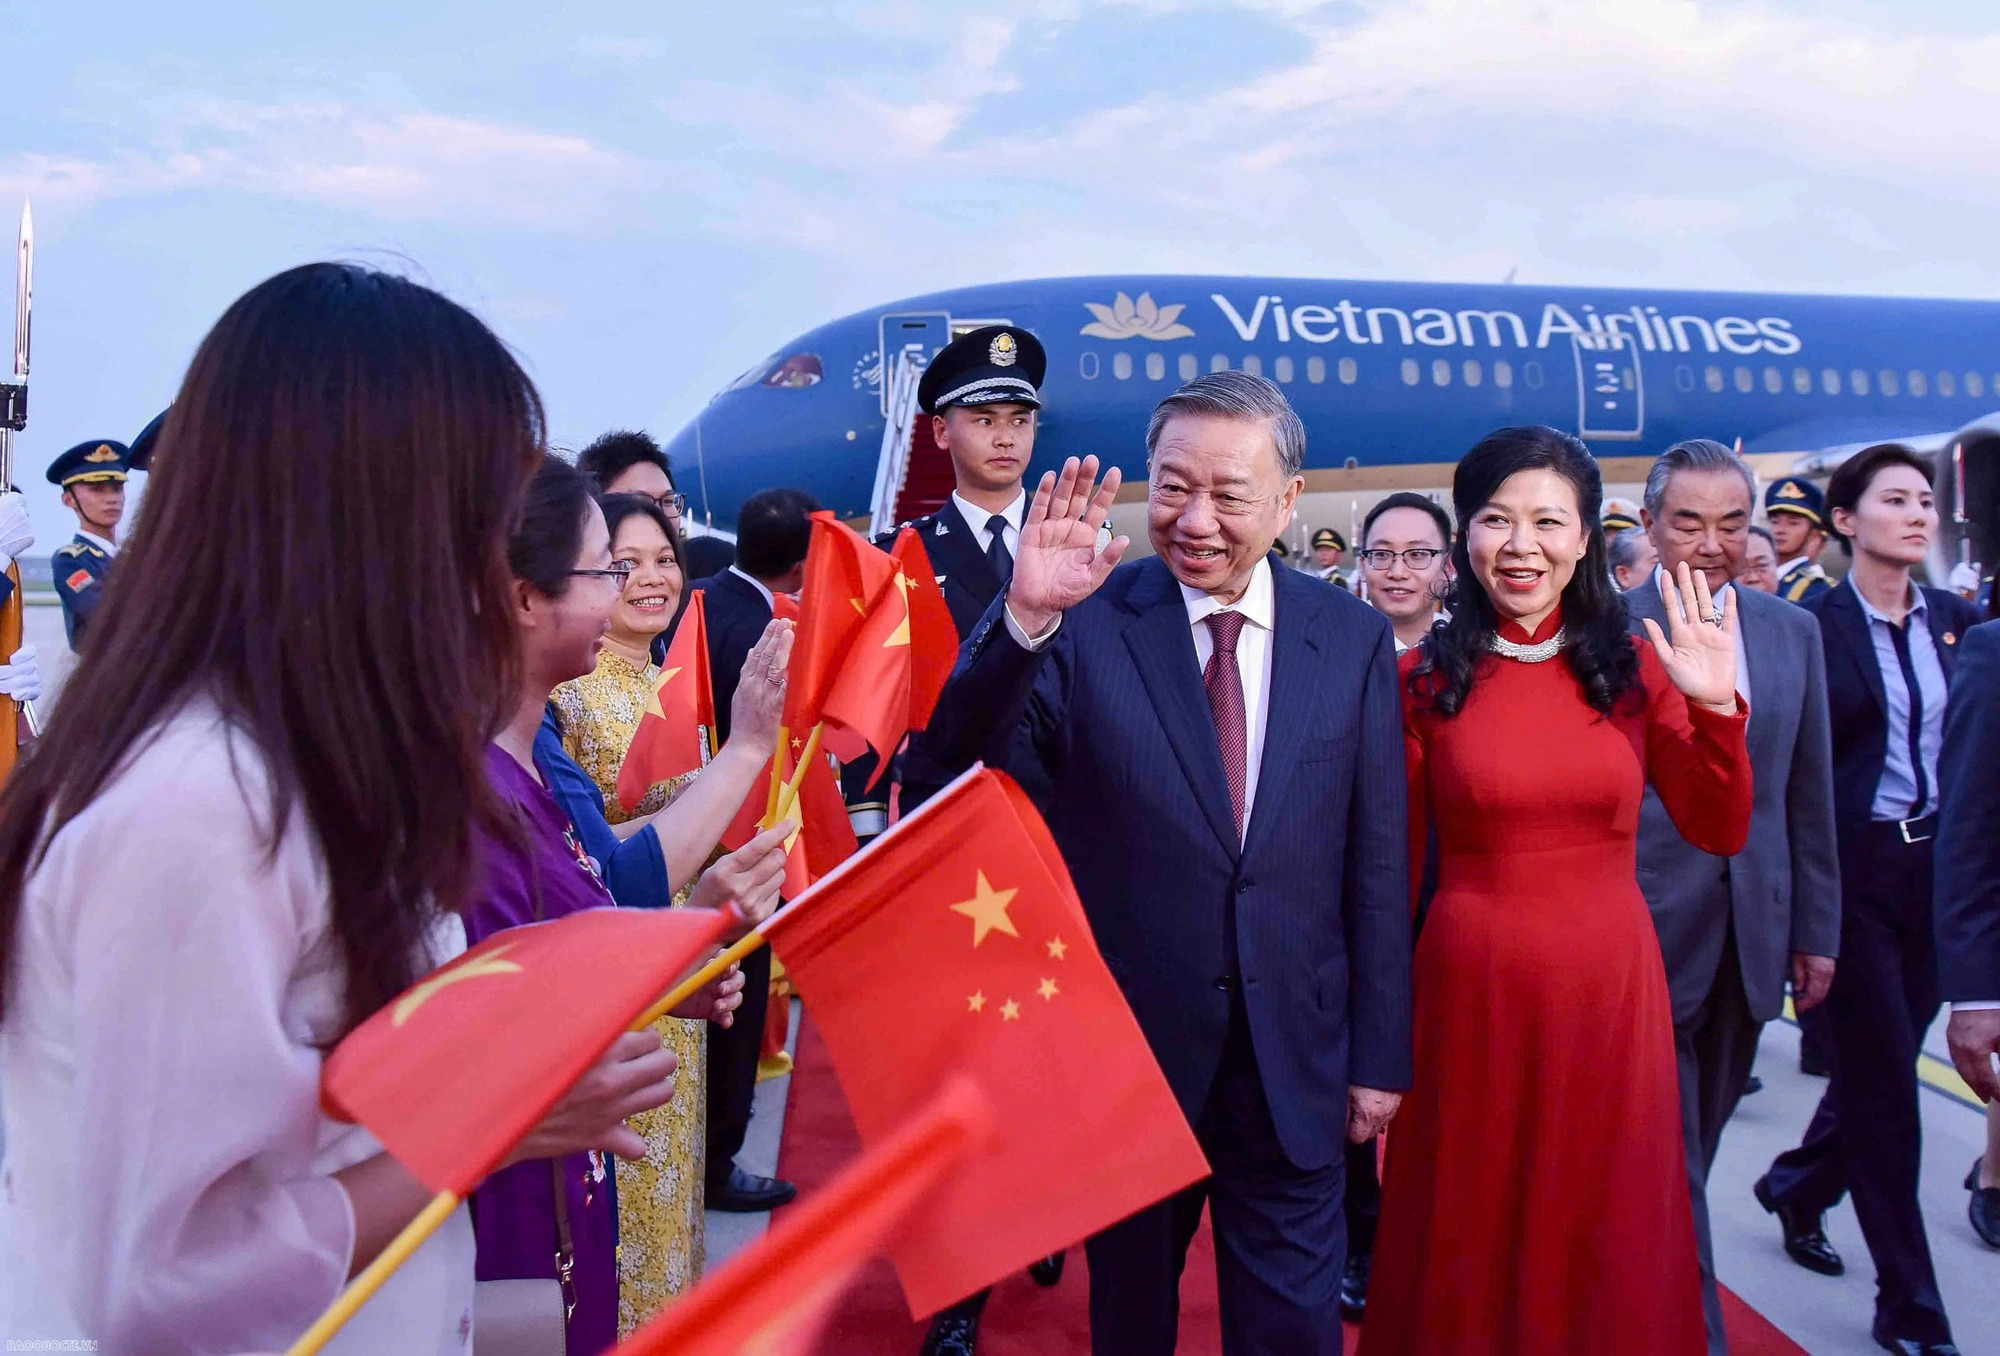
pixel 1329 549
pixel 92 476
pixel 1797 511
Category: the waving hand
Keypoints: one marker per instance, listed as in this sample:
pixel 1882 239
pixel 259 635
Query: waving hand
pixel 1059 564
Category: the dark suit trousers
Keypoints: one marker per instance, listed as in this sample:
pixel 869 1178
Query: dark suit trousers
pixel 1279 1237
pixel 732 1067
pixel 1867 1135
pixel 1716 1047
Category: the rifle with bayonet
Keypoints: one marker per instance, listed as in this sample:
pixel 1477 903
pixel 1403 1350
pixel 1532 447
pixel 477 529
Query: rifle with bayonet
pixel 17 720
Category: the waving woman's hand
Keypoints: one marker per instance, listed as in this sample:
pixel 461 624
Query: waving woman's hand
pixel 1698 650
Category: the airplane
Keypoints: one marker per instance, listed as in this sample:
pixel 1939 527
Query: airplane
pixel 1394 381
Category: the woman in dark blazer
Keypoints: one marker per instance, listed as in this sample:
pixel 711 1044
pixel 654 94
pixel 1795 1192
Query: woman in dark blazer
pixel 1891 647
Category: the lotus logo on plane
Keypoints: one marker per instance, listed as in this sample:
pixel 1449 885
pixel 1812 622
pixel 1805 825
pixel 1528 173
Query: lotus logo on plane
pixel 1127 319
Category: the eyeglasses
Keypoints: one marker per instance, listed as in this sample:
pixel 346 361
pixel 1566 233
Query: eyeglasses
pixel 618 574
pixel 672 502
pixel 1417 557
pixel 1177 497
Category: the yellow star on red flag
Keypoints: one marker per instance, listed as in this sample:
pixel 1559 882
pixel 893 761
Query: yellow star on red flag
pixel 987 909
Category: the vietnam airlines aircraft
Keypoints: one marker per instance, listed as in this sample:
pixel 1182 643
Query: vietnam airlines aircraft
pixel 1393 380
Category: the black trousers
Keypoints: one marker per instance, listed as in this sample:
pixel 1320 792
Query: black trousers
pixel 1867 1135
pixel 1280 1241
pixel 732 1068
pixel 1715 1049
pixel 1362 1199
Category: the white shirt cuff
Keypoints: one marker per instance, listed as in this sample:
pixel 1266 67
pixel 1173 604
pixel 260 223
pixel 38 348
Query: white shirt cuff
pixel 1977 1005
pixel 1020 632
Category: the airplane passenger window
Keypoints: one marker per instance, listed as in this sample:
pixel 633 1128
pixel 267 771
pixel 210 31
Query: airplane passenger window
pixel 1857 382
pixel 1086 365
pixel 1684 378
pixel 1410 376
pixel 1156 366
pixel 1121 365
pixel 1473 376
pixel 1503 372
pixel 1531 372
pixel 1190 367
pixel 1745 382
pixel 1219 363
pixel 1774 380
pixel 1711 377
pixel 1254 365
pixel 1315 370
pixel 1350 372
pixel 1947 384
pixel 1440 372
pixel 1829 381
pixel 1918 384
pixel 1975 385
pixel 1802 381
pixel 1886 382
pixel 1282 368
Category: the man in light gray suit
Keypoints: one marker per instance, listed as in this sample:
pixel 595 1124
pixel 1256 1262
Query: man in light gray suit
pixel 1733 929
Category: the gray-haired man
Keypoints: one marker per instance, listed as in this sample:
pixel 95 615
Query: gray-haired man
pixel 1733 929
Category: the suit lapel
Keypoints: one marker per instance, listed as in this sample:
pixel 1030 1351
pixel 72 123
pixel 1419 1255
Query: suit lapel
pixel 1770 679
pixel 1843 610
pixel 1162 645
pixel 1295 627
pixel 1941 625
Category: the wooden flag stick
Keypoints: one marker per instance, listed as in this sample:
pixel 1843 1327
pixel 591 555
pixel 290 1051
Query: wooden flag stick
pixel 374 1274
pixel 788 800
pixel 700 979
pixel 777 773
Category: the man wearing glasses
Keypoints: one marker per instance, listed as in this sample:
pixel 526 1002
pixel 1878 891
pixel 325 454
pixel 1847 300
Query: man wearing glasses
pixel 624 462
pixel 1406 563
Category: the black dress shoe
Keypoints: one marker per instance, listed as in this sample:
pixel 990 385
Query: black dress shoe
pixel 745 1193
pixel 1910 1346
pixel 1813 1061
pixel 953 1334
pixel 1049 1270
pixel 1983 1208
pixel 1755 1084
pixel 1354 1286
pixel 1805 1234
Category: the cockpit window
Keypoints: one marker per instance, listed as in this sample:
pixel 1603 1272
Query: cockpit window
pixel 798 369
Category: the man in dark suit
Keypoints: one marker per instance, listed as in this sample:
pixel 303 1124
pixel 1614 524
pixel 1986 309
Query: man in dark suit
pixel 1891 650
pixel 1223 739
pixel 1732 929
pixel 772 534
pixel 1968 892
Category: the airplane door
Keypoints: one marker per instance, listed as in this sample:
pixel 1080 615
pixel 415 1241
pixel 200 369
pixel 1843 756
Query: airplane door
pixel 919 333
pixel 1610 387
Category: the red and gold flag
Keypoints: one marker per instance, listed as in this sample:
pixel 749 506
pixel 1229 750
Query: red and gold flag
pixel 933 634
pixel 965 913
pixel 867 707
pixel 676 732
pixel 844 574
pixel 772 1299
pixel 452 1074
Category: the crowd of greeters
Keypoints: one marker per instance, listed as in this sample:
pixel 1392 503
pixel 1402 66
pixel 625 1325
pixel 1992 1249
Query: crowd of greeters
pixel 1513 859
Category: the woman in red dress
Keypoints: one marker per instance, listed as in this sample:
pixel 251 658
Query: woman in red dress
pixel 1536 1198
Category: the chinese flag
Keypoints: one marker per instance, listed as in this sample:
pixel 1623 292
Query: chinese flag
pixel 826 835
pixel 844 575
pixel 933 634
pixel 676 732
pixel 452 1074
pixel 868 704
pixel 964 912
pixel 772 1299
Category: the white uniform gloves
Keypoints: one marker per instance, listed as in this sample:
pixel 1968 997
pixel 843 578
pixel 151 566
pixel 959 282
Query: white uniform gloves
pixel 21 676
pixel 17 534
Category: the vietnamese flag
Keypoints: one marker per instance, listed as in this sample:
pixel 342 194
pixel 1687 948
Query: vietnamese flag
pixel 676 732
pixel 965 914
pixel 844 575
pixel 773 1298
pixel 933 634
pixel 452 1074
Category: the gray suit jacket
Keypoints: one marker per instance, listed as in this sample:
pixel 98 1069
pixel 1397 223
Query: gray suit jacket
pixel 1783 889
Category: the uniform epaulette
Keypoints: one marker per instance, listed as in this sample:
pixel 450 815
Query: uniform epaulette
pixel 68 549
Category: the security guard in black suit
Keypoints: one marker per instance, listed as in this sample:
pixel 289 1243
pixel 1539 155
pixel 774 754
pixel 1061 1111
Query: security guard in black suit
pixel 1797 511
pixel 92 476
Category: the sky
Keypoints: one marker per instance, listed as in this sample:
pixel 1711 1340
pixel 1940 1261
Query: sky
pixel 644 199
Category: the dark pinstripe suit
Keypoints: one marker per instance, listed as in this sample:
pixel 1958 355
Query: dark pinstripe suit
pixel 1267 975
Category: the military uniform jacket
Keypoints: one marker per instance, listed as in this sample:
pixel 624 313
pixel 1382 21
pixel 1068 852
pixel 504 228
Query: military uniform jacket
pixel 80 569
pixel 962 569
pixel 1802 580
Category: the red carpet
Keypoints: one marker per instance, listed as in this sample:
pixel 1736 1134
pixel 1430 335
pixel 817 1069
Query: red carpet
pixel 1022 1319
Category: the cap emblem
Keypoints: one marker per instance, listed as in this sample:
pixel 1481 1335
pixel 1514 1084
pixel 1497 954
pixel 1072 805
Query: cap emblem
pixel 1790 490
pixel 103 453
pixel 1001 352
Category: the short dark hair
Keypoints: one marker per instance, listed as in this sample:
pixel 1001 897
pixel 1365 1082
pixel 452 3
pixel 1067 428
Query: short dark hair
pixel 1412 500
pixel 618 507
pixel 1622 548
pixel 1852 478
pixel 617 452
pixel 545 544
pixel 773 531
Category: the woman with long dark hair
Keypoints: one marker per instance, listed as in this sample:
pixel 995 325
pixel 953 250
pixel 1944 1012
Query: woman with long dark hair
pixel 1536 1198
pixel 252 821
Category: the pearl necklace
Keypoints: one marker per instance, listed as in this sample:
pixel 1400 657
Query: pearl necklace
pixel 1530 654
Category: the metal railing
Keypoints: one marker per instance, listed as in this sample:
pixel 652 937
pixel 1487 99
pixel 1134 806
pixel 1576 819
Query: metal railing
pixel 892 467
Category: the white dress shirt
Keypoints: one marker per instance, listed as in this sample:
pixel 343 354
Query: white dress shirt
pixel 978 519
pixel 110 548
pixel 770 599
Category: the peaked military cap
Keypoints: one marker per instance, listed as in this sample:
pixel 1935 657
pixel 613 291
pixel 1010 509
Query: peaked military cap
pixel 1326 536
pixel 1796 494
pixel 97 461
pixel 992 365
pixel 142 446
pixel 1619 516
